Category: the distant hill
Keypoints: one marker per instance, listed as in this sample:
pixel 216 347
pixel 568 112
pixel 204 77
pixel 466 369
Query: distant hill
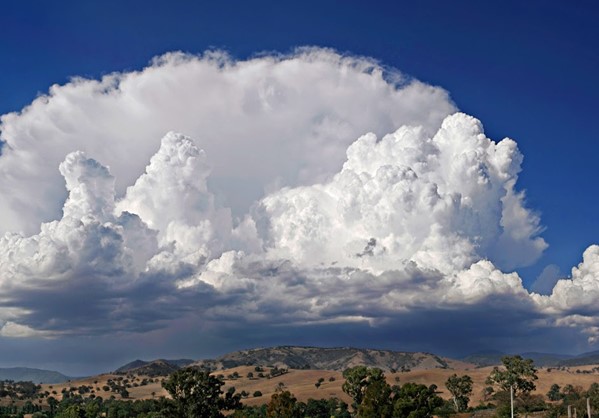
pixel 546 359
pixel 581 360
pixel 25 374
pixel 131 366
pixel 341 358
pixel 493 358
pixel 316 358
pixel 158 367
pixel 485 358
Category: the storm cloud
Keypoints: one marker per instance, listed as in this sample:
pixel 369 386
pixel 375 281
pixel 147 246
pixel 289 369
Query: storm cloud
pixel 315 193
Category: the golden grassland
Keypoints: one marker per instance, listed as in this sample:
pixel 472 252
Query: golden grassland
pixel 302 383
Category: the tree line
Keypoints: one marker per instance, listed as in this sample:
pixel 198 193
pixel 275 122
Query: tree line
pixel 196 393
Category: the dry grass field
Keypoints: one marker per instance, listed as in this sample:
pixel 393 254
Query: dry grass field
pixel 302 382
pixel 547 377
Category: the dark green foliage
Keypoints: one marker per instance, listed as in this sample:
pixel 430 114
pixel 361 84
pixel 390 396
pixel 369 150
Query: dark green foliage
pixel 377 401
pixel 72 411
pixel 18 390
pixel 554 393
pixel 460 388
pixel 196 393
pixel 374 398
pixel 250 412
pixel 517 372
pixel 124 393
pixel 414 400
pixel 356 381
pixel 528 403
pixel 283 405
pixel 324 408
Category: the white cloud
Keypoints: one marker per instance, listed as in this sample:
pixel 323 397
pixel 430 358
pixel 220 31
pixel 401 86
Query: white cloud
pixel 264 122
pixel 14 330
pixel 406 216
pixel 573 301
pixel 442 201
pixel 172 198
pixel 581 290
pixel 271 212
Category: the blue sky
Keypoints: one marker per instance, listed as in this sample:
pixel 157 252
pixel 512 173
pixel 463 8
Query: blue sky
pixel 526 70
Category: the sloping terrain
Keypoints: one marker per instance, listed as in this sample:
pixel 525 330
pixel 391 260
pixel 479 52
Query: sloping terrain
pixel 547 359
pixel 25 374
pixel 493 358
pixel 485 358
pixel 158 367
pixel 581 360
pixel 315 358
pixel 259 386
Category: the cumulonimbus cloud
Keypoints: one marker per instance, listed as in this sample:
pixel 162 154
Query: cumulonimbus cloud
pixel 312 189
pixel 265 123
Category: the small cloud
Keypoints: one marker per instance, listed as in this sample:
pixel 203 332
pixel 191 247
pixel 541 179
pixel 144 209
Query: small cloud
pixel 14 330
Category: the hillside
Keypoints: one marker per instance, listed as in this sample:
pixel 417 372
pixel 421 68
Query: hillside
pixel 158 367
pixel 493 358
pixel 485 358
pixel 581 360
pixel 315 358
pixel 25 374
pixel 547 359
pixel 302 382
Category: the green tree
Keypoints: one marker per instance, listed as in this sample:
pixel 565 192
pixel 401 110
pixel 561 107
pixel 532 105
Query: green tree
pixel 92 408
pixel 282 405
pixel 460 388
pixel 516 377
pixel 517 373
pixel 124 393
pixel 414 400
pixel 325 408
pixel 357 380
pixel 72 411
pixel 196 393
pixel 377 401
pixel 554 393
pixel 528 403
pixel 52 403
pixel 250 412
pixel 571 393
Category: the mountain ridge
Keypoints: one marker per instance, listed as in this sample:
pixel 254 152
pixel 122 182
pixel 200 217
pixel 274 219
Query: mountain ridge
pixel 340 358
pixel 28 374
pixel 158 367
pixel 321 358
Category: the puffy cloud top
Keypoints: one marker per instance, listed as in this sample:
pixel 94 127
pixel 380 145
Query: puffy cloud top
pixel 443 202
pixel 266 122
pixel 274 212
pixel 172 198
